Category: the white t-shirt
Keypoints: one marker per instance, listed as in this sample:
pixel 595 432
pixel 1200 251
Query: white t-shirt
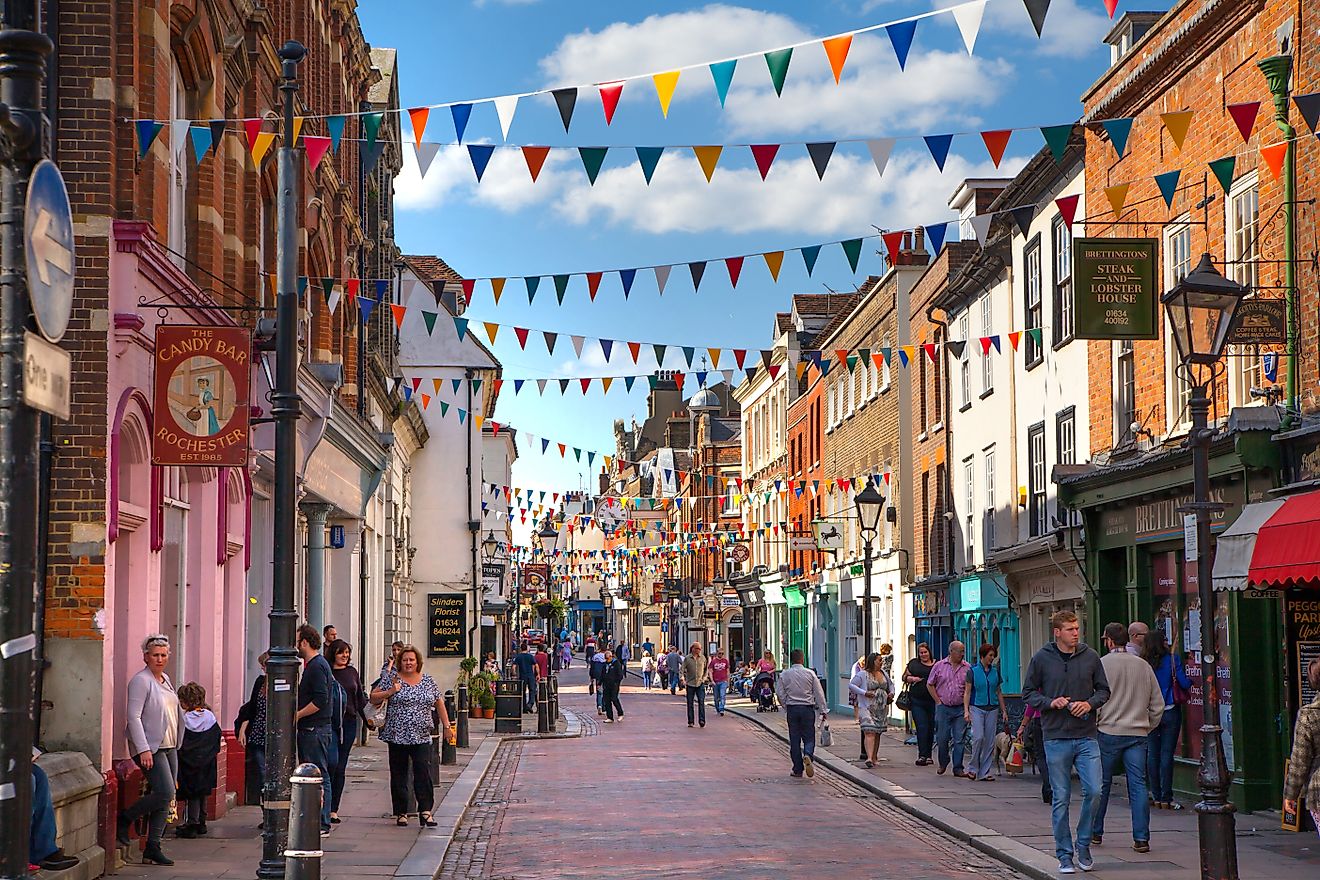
pixel 170 738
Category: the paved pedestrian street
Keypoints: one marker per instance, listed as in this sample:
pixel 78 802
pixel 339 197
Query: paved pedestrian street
pixel 648 797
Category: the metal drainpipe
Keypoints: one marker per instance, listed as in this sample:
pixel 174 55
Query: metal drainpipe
pixel 472 533
pixel 1278 70
pixel 948 449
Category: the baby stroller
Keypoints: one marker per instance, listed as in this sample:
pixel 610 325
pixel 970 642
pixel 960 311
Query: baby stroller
pixel 763 692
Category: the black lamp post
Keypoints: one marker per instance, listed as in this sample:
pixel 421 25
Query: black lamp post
pixel 1201 309
pixel 869 503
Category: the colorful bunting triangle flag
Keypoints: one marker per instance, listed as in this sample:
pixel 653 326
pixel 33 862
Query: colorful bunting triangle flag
pixel 996 142
pixel 497 289
pixel 535 159
pixel 661 277
pixel 365 305
pixel 852 249
pixel 722 73
pixel 697 269
pixel 1067 206
pixel 460 327
pixel 929 348
pixel 1117 196
pixel 418 116
pixel 1118 131
pixel 893 244
pixel 550 339
pixel 820 156
pixel 935 237
pixel 592 158
pixel 968 18
pixel 371 126
pixel 505 108
pixel 810 254
pixel 707 157
pixel 774 260
pixel 532 282
pixel 1022 216
pixel 648 158
pixel 1168 185
pixel 627 277
pixel 778 61
pixel 1244 115
pixel 836 49
pixel 561 287
pixel 201 143
pixel 1309 107
pixel 577 345
pixel 399 313
pixel 1037 9
pixel 1036 334
pixel 980 224
pixel 428 318
pixel 480 155
pixel 1177 123
pixel 664 89
pixel 900 37
pixel 461 113
pixel 565 100
pixel 764 154
pixel 334 126
pixel 317 147
pixel 521 333
pixel 1274 154
pixel 372 155
pixel 1056 138
pixel 606 347
pixel 734 265
pixel 880 148
pixel 593 284
pixel 1014 338
pixel 609 99
pixel 938 144
pixel 1223 171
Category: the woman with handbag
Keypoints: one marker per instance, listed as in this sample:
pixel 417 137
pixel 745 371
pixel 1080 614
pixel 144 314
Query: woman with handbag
pixel 873 690
pixel 340 655
pixel 921 703
pixel 1303 782
pixel 414 697
pixel 1163 740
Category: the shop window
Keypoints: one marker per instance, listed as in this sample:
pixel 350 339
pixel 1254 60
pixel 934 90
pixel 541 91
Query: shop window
pixel 1061 236
pixel 1034 307
pixel 1036 507
pixel 1065 449
pixel 988 536
pixel 1125 391
pixel 1177 265
pixel 969 506
pixel 1241 263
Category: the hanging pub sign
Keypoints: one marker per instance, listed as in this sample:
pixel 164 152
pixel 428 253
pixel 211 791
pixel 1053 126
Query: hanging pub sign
pixel 201 383
pixel 1259 322
pixel 1114 290
pixel 536 577
pixel 492 581
pixel 447 616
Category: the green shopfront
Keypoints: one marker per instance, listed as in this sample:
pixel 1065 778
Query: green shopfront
pixel 984 618
pixel 1136 570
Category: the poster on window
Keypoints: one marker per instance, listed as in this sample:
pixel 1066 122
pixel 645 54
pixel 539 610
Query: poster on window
pixel 200 388
pixel 1114 291
pixel 1192 643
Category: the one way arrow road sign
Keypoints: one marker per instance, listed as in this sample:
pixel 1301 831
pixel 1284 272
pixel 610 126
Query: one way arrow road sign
pixel 48 235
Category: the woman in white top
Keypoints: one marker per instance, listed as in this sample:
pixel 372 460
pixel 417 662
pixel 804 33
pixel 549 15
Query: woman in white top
pixel 874 690
pixel 154 731
pixel 648 670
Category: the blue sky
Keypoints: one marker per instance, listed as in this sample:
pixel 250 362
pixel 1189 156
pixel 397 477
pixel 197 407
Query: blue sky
pixel 507 226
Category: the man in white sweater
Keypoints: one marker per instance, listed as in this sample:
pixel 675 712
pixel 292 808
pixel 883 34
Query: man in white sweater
pixel 1134 709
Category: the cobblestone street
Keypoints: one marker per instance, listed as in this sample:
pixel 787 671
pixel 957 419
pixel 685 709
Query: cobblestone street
pixel 648 794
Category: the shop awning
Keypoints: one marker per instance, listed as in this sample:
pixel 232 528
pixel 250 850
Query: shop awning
pixel 1272 544
pixel 795 596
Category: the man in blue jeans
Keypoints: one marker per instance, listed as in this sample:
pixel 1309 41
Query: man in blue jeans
pixel 946 681
pixel 1134 709
pixel 799 691
pixel 1066 684
pixel 317 741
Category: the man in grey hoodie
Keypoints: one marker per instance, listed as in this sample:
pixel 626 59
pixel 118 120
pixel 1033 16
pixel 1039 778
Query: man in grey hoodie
pixel 1066 683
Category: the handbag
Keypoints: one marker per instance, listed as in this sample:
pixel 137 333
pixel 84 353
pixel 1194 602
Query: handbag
pixel 1180 694
pixel 826 739
pixel 904 701
pixel 1016 757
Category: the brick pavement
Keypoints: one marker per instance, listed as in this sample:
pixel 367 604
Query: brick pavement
pixel 366 844
pixel 650 795
pixel 1012 807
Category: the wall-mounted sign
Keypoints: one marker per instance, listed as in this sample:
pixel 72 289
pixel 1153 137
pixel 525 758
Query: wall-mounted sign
pixel 805 543
pixel 828 535
pixel 536 577
pixel 492 580
pixel 201 396
pixel 446 614
pixel 1259 322
pixel 1114 289
pixel 337 537
pixel 650 618
pixel 739 553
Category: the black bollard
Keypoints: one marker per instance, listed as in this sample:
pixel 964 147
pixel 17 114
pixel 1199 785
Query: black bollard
pixel 552 689
pixel 302 860
pixel 448 752
pixel 462 720
pixel 542 707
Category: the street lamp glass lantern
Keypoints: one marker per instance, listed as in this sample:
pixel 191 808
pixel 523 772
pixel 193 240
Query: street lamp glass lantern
pixel 490 545
pixel 869 505
pixel 1201 309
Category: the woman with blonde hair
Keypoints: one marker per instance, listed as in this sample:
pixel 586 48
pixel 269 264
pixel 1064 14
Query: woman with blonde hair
pixel 154 731
pixel 413 697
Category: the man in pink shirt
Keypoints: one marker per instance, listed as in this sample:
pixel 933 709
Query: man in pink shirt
pixel 946 681
pixel 719 677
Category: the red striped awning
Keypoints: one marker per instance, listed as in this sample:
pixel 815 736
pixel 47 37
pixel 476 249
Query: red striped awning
pixel 1271 545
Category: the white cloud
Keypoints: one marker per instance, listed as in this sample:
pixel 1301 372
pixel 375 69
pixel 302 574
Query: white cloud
pixel 663 42
pixel 1070 29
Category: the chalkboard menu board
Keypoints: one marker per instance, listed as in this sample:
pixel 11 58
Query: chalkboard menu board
pixel 447 616
pixel 1306 652
pixel 1301 618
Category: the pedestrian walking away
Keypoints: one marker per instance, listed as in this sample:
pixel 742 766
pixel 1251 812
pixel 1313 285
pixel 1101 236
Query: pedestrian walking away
pixel 413 696
pixel 1175 686
pixel 983 708
pixel 154 731
pixel 612 674
pixel 803 699
pixel 197 754
pixel 1067 684
pixel 525 665
pixel 1303 781
pixel 945 685
pixel 648 670
pixel 1134 708
pixel 597 669
pixel 340 655
pixel 696 673
pixel 673 669
pixel 916 677
pixel 719 679
pixel 874 691
pixel 318 696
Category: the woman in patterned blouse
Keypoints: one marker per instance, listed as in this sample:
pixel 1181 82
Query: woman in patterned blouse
pixel 412 696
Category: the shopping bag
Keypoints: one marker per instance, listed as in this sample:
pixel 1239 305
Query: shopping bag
pixel 826 739
pixel 1015 757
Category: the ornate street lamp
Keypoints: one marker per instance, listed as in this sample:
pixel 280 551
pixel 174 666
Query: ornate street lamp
pixel 490 545
pixel 1200 309
pixel 869 503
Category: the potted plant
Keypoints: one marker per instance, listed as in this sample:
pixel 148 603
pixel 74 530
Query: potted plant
pixel 479 687
pixel 487 703
pixel 465 670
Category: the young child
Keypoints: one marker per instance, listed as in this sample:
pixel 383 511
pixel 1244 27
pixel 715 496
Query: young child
pixel 197 754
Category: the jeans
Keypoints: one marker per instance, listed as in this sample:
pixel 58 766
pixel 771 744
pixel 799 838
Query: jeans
pixel 950 725
pixel 318 745
pixel 417 756
pixel 985 725
pixel 721 689
pixel 923 716
pixel 801 734
pixel 1131 752
pixel 155 804
pixel 347 739
pixel 529 694
pixel 673 683
pixel 1160 746
pixel 41 839
pixel 194 812
pixel 699 695
pixel 610 690
pixel 1063 755
pixel 647 679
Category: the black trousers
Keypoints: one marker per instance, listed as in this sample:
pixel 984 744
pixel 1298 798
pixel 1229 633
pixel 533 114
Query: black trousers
pixel 611 699
pixel 401 757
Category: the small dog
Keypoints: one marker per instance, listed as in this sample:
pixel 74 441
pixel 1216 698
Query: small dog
pixel 1003 745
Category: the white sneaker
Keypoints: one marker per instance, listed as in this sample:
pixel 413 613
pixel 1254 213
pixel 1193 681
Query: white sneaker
pixel 1066 867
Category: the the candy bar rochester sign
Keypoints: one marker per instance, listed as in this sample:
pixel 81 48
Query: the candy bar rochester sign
pixel 1114 290
pixel 201 385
